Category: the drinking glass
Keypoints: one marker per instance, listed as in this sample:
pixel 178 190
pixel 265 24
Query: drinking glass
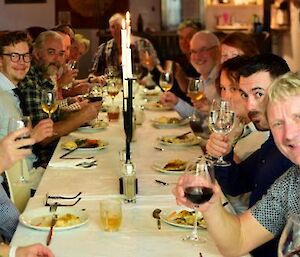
pixel 14 124
pixel 48 102
pixel 110 214
pixel 289 243
pixel 166 81
pixel 195 89
pixel 198 181
pixel 221 121
pixel 113 88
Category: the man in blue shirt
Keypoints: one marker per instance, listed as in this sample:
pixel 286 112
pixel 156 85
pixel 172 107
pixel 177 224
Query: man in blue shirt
pixel 259 171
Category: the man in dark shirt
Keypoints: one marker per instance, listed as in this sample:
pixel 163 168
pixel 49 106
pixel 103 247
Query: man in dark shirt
pixel 258 172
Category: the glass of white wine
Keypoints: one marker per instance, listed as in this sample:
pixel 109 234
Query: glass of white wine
pixel 221 121
pixel 196 89
pixel 113 88
pixel 289 243
pixel 48 102
pixel 16 123
pixel 166 81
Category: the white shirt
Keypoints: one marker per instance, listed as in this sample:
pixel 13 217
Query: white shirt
pixel 10 107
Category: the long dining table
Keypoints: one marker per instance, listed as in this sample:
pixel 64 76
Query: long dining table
pixel 138 235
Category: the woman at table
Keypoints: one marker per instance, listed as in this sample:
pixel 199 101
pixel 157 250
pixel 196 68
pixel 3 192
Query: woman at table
pixel 248 138
pixel 11 150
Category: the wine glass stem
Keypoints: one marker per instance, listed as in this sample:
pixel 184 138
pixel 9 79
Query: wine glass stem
pixel 195 232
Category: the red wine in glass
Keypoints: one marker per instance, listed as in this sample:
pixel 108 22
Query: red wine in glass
pixel 198 194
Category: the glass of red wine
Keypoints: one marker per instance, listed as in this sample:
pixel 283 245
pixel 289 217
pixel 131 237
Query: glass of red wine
pixel 289 243
pixel 199 178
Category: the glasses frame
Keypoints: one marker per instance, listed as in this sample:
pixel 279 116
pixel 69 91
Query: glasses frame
pixel 203 50
pixel 15 57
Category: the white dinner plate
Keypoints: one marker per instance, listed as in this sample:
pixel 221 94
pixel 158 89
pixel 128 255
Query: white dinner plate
pixel 90 129
pixel 167 214
pixel 40 218
pixel 155 106
pixel 171 141
pixel 159 166
pixel 101 145
pixel 166 122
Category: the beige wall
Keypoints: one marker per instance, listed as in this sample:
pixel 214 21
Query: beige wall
pixel 21 16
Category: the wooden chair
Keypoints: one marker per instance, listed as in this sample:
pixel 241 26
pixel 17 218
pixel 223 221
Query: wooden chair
pixel 19 192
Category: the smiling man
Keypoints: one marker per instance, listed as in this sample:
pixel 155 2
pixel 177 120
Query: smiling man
pixel 258 172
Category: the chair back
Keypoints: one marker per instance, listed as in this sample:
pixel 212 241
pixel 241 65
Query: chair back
pixel 19 192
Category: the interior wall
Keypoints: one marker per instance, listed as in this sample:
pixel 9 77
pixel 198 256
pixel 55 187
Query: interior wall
pixel 21 16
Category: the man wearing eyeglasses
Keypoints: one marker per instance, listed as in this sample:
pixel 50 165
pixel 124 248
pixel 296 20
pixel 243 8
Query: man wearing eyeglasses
pixel 205 58
pixel 15 62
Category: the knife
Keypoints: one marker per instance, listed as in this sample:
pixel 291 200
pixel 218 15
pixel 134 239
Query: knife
pixel 161 182
pixel 50 234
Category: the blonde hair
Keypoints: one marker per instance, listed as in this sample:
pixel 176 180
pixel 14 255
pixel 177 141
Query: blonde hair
pixel 117 17
pixel 284 87
pixel 83 40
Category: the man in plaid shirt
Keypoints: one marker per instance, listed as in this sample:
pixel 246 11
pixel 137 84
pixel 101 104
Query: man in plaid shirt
pixel 48 57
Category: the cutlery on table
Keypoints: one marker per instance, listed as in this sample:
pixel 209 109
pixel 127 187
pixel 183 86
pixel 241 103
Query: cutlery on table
pixel 156 215
pixel 67 153
pixel 50 234
pixel 163 183
pixel 87 164
pixel 182 136
pixel 159 148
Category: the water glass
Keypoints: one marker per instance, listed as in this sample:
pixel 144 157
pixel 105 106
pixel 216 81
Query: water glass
pixel 110 215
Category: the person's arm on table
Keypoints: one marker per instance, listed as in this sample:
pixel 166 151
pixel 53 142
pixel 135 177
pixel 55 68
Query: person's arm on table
pixel 234 235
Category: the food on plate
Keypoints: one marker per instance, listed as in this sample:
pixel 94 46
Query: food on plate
pixel 83 143
pixel 65 220
pixel 168 120
pixel 175 165
pixel 187 139
pixel 98 124
pixel 185 217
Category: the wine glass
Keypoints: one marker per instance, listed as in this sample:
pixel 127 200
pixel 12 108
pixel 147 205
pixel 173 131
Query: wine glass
pixel 198 181
pixel 16 123
pixel 195 89
pixel 113 88
pixel 221 121
pixel 48 102
pixel 166 81
pixel 289 243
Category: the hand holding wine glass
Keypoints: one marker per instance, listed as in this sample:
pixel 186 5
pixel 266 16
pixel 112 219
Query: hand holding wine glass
pixel 48 102
pixel 289 243
pixel 199 179
pixel 221 121
pixel 14 124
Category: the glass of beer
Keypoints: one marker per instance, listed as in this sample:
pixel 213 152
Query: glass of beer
pixel 110 215
pixel 113 112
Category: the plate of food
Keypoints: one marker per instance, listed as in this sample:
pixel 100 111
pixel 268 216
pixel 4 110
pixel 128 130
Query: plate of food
pixel 156 106
pixel 175 166
pixel 169 122
pixel 182 218
pixel 41 218
pixel 93 126
pixel 151 93
pixel 84 144
pixel 187 140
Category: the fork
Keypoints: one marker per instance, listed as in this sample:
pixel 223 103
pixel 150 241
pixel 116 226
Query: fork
pixel 182 136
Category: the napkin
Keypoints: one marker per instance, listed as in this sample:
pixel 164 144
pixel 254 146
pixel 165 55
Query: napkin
pixel 70 163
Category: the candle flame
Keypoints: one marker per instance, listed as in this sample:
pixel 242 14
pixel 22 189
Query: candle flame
pixel 127 17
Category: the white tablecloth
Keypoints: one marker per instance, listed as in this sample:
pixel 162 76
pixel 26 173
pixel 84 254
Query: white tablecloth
pixel 138 235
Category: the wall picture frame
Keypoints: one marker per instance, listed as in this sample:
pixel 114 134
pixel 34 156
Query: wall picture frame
pixel 24 1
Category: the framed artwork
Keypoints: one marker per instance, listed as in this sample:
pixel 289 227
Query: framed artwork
pixel 88 13
pixel 25 1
